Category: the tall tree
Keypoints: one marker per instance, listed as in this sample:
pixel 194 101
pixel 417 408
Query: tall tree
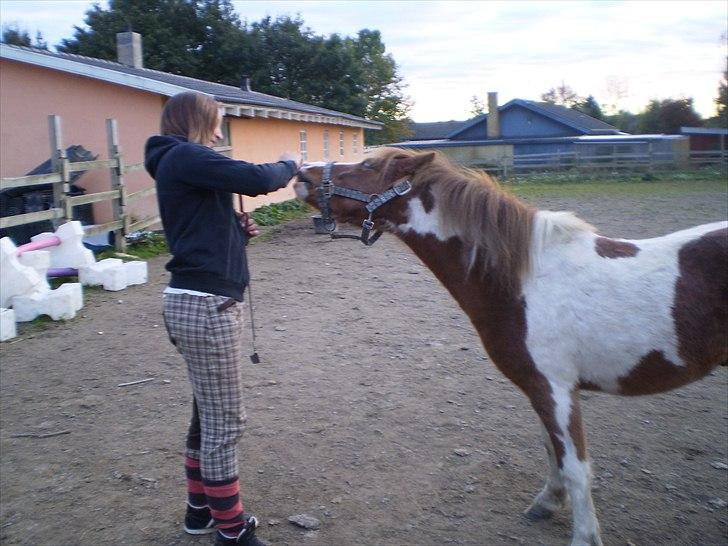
pixel 667 116
pixel 590 107
pixel 721 103
pixel 476 106
pixel 563 95
pixel 205 39
pixel 12 34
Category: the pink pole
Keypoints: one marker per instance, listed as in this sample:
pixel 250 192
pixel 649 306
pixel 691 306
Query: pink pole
pixel 37 245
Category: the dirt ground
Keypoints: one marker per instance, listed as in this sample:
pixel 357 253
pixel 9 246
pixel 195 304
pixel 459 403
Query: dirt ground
pixel 371 378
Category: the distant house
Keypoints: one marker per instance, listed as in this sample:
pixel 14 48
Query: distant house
pixel 706 139
pixel 522 128
pixel 85 91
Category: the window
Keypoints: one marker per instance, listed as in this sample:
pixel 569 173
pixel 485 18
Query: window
pixel 326 144
pixel 303 148
pixel 224 146
pixel 355 143
pixel 341 143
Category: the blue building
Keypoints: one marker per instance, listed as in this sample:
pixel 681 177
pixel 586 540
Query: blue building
pixel 523 132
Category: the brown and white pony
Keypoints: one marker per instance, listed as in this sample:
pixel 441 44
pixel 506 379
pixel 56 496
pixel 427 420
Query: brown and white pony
pixel 558 307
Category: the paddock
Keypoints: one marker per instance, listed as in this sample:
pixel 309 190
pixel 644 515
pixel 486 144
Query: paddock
pixel 374 409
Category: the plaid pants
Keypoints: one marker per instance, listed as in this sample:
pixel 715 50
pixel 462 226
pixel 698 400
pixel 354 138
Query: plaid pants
pixel 211 343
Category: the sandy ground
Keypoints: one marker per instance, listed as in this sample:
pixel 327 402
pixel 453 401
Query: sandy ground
pixel 371 378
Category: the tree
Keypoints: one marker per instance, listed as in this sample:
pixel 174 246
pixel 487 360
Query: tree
pixel 477 107
pixel 625 121
pixel 205 39
pixel 12 34
pixel 667 116
pixel 563 95
pixel 590 107
pixel 721 103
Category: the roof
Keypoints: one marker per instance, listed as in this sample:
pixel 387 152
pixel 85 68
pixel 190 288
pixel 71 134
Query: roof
pixel 715 131
pixel 567 116
pixel 237 101
pixel 576 139
pixel 434 130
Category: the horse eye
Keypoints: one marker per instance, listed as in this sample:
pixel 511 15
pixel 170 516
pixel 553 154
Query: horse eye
pixel 367 165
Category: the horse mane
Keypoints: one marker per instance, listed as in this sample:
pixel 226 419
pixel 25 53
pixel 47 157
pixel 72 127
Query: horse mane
pixel 504 234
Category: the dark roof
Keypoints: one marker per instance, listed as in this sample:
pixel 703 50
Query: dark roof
pixel 573 118
pixel 569 116
pixel 221 92
pixel 434 130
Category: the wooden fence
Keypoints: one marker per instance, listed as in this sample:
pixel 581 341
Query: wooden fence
pixel 575 161
pixel 62 207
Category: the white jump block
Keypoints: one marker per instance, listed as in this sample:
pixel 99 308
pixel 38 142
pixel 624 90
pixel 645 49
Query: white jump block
pixel 59 304
pixel 136 272
pixel 7 324
pixel 16 278
pixel 71 252
pixel 113 274
pixel 40 260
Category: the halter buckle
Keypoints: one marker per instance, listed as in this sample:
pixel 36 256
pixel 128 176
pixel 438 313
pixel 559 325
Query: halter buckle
pixel 368 224
pixel 402 188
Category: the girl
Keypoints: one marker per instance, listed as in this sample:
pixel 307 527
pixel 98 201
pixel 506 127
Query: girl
pixel 202 313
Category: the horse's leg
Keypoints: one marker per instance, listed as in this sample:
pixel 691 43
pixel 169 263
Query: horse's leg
pixel 553 494
pixel 575 467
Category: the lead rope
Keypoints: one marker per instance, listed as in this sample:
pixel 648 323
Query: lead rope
pixel 254 358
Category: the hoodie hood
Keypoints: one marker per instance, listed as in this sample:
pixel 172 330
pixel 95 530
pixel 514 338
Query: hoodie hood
pixel 156 148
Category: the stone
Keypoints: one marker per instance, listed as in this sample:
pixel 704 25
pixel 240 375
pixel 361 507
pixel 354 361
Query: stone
pixel 305 521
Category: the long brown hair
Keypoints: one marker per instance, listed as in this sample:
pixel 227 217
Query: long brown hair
pixel 191 115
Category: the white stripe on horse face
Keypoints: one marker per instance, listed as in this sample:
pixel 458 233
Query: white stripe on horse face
pixel 423 222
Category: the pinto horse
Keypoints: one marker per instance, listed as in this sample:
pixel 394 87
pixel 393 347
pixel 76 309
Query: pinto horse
pixel 558 307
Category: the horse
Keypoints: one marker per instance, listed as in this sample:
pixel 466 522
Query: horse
pixel 558 307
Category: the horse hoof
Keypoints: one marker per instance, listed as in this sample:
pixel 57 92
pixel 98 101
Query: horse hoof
pixel 537 512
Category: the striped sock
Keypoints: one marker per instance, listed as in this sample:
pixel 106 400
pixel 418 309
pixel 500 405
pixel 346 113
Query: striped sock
pixel 195 490
pixel 223 497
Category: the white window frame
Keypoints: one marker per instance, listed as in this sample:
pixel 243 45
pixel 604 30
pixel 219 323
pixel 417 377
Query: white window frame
pixel 341 143
pixel 355 143
pixel 303 144
pixel 327 151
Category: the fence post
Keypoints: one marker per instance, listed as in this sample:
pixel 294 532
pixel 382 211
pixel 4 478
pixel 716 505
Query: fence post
pixel 118 206
pixel 59 164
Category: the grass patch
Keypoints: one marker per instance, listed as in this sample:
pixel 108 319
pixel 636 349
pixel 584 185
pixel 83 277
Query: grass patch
pixel 570 185
pixel 279 213
pixel 148 244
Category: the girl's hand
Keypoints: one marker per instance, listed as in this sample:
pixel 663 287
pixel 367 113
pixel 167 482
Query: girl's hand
pixel 248 224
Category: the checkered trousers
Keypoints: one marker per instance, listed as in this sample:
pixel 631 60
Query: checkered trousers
pixel 210 341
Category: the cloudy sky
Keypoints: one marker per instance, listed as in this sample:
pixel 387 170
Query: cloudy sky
pixel 622 52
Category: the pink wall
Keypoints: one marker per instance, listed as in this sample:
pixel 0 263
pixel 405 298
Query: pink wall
pixel 29 94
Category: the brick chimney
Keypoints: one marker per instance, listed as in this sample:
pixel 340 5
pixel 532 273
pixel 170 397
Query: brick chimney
pixel 245 82
pixel 129 49
pixel 494 130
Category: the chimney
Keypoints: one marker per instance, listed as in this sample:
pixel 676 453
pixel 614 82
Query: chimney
pixel 129 49
pixel 494 130
pixel 245 82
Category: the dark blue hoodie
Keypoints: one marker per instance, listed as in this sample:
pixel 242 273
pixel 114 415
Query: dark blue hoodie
pixel 194 187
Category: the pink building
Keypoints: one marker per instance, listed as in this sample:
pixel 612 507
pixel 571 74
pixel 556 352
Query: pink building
pixel 85 92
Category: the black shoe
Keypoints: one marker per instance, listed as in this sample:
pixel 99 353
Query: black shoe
pixel 246 537
pixel 198 521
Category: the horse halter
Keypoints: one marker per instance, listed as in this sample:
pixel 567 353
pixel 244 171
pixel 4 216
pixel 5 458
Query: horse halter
pixel 327 190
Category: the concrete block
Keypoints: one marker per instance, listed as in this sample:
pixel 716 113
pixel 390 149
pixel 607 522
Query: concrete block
pixel 7 324
pixel 136 272
pixel 59 304
pixel 16 278
pixel 71 252
pixel 40 260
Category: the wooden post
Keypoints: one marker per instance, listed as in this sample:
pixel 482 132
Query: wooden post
pixel 117 183
pixel 59 164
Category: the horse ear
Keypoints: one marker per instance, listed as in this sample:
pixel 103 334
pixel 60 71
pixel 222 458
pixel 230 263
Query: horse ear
pixel 410 165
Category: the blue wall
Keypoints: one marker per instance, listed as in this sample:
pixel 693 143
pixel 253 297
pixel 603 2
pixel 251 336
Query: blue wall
pixel 520 122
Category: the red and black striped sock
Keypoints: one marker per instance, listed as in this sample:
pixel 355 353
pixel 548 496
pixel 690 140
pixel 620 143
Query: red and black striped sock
pixel 223 497
pixel 195 490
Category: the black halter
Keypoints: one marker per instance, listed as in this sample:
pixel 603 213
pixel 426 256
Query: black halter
pixel 327 190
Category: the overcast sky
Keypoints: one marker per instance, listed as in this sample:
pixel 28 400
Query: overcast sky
pixel 622 52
